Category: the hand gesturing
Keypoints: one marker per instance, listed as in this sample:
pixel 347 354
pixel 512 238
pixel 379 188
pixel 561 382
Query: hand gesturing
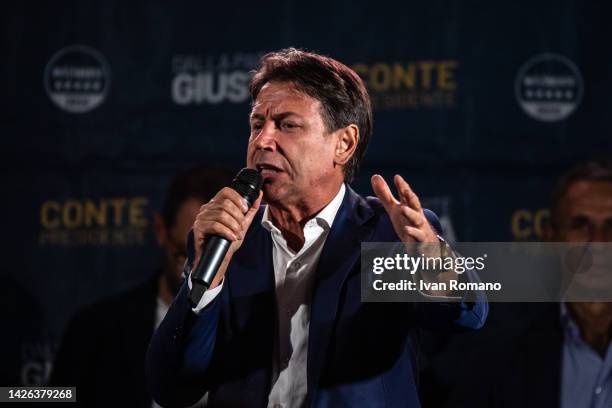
pixel 406 214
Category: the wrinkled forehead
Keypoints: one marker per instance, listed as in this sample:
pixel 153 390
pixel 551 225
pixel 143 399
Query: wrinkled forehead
pixel 282 96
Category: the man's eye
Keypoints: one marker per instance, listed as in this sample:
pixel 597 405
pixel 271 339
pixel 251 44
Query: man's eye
pixel 256 126
pixel 288 125
pixel 579 223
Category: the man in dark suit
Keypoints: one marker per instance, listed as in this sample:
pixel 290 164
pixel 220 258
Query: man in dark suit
pixel 545 355
pixel 564 357
pixel 103 349
pixel 283 323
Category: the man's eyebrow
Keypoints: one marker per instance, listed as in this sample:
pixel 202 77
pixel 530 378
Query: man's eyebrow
pixel 283 115
pixel 277 116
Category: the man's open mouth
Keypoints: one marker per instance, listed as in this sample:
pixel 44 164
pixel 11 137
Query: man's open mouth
pixel 267 170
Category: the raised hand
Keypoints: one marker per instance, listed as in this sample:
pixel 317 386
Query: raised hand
pixel 406 214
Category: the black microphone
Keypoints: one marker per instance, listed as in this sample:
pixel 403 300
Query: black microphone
pixel 248 184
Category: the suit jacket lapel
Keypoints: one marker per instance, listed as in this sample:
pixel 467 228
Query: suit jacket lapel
pixel 340 253
pixel 251 320
pixel 251 271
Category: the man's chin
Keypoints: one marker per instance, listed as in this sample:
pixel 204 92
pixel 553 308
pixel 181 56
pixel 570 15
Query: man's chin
pixel 272 193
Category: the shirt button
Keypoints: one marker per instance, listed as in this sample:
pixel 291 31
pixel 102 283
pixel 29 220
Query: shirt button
pixel 598 390
pixel 296 265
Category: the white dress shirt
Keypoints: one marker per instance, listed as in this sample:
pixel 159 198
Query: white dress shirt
pixel 294 276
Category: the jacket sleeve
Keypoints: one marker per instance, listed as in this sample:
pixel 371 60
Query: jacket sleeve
pixel 179 356
pixel 468 313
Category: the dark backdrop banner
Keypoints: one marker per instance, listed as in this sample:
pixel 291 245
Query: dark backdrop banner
pixel 480 105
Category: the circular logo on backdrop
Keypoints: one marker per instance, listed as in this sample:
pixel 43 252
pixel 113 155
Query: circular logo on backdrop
pixel 77 79
pixel 549 87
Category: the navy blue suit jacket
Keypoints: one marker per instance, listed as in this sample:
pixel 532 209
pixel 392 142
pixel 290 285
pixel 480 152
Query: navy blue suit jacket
pixel 359 354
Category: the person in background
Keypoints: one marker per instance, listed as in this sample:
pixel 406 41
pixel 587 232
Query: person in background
pixel 556 355
pixel 575 344
pixel 103 349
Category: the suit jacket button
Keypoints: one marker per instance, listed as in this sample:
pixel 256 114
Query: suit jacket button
pixel 177 333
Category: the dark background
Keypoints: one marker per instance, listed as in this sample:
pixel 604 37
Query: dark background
pixel 462 140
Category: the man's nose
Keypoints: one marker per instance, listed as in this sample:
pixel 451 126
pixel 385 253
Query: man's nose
pixel 266 139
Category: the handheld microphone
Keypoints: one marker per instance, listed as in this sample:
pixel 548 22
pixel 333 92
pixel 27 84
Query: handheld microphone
pixel 247 183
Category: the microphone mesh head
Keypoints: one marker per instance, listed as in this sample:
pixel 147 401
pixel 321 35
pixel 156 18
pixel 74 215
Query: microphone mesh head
pixel 248 183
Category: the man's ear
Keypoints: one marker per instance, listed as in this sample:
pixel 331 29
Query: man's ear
pixel 347 139
pixel 159 227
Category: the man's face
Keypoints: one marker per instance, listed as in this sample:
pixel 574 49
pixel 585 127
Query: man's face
pixel 586 212
pixel 291 145
pixel 175 242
